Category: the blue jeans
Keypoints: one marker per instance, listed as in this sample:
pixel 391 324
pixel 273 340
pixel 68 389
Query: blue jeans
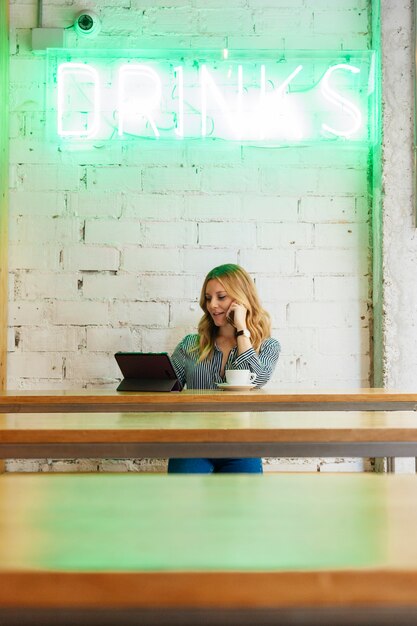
pixel 215 466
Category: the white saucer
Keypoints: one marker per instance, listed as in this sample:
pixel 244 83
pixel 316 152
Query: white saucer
pixel 228 387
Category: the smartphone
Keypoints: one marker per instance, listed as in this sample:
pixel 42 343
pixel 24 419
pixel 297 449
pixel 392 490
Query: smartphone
pixel 231 318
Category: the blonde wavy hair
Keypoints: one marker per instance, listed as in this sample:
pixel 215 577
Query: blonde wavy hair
pixel 238 285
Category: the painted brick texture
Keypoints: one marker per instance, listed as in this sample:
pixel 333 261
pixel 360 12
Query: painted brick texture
pixel 109 246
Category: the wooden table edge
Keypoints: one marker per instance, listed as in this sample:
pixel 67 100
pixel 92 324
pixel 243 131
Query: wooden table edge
pixel 227 435
pixel 207 400
pixel 235 589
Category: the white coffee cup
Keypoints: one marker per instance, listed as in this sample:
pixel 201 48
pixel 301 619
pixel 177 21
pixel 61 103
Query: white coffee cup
pixel 240 377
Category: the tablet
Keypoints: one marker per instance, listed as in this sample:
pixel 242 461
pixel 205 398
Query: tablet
pixel 147 371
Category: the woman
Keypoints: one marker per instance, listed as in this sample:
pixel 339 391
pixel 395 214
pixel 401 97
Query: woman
pixel 234 333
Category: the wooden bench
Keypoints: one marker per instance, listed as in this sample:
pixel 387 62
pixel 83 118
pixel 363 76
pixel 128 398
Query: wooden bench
pixel 206 400
pixel 318 549
pixel 275 433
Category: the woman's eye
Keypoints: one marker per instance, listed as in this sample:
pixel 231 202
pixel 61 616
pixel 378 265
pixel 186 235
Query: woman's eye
pixel 222 297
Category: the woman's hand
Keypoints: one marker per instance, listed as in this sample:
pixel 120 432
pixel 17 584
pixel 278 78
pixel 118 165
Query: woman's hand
pixel 236 315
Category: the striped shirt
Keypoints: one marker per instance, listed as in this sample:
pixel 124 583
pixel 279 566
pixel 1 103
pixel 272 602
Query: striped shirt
pixel 206 374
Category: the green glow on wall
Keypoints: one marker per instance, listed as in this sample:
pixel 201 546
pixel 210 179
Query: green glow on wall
pixel 261 97
pixel 4 183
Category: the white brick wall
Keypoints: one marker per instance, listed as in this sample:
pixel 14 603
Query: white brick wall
pixel 109 245
pixel 167 179
pixel 135 259
pixel 101 339
pixel 112 231
pixel 27 256
pixel 141 314
pixel 47 339
pixel 399 245
pixel 79 313
pixel 90 258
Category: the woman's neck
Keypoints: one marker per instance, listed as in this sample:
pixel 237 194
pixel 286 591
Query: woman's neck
pixel 227 333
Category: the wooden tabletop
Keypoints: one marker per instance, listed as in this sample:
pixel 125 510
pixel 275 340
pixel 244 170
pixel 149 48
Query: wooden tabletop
pixel 217 542
pixel 162 434
pixel 206 400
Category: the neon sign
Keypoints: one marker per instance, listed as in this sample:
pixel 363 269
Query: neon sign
pixel 269 98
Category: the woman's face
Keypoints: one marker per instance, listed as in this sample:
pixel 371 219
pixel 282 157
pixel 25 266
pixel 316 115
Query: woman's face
pixel 217 302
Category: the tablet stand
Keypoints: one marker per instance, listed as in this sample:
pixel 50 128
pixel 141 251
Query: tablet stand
pixel 148 384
